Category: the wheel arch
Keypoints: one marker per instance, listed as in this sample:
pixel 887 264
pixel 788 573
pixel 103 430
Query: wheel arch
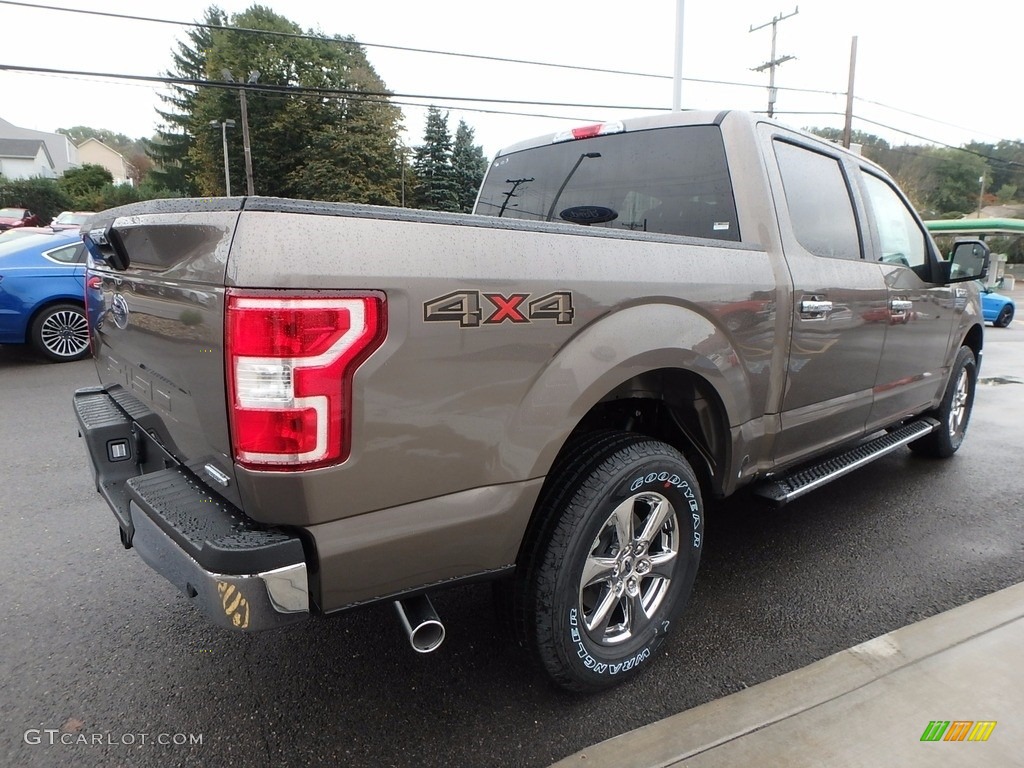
pixel 676 406
pixel 648 354
pixel 974 339
pixel 681 383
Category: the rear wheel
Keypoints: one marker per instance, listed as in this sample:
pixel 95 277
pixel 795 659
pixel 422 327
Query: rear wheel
pixel 954 412
pixel 1005 316
pixel 61 333
pixel 613 561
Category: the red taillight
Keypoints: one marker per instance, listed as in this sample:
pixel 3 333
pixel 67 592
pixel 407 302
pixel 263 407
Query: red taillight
pixel 93 284
pixel 586 132
pixel 290 361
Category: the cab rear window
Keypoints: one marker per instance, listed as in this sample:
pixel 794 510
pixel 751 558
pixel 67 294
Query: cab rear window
pixel 667 180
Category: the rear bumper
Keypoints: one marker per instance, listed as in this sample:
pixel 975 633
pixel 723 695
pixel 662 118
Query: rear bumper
pixel 242 575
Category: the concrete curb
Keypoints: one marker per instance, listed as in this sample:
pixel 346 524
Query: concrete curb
pixel 696 732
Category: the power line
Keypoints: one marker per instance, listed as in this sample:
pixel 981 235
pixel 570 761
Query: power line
pixel 393 98
pixel 932 119
pixel 346 41
pixel 982 155
pixel 300 90
pixel 308 90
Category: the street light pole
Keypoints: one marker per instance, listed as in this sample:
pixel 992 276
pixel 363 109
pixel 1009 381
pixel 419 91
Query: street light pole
pixel 224 125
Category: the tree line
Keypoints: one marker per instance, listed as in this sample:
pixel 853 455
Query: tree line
pixel 946 182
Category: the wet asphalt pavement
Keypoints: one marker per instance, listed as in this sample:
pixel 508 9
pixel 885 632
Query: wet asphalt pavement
pixel 103 663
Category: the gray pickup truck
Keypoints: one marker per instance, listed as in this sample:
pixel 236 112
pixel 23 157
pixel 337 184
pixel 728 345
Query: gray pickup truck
pixel 308 407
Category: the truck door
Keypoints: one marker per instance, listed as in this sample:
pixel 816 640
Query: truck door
pixel 921 314
pixel 838 301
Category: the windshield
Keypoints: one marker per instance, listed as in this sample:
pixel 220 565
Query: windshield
pixel 668 180
pixel 12 213
pixel 72 218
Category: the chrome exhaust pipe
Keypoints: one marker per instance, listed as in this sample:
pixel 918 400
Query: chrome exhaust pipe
pixel 424 628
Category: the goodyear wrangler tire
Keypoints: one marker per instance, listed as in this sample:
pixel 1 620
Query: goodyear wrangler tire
pixel 614 564
pixel 954 412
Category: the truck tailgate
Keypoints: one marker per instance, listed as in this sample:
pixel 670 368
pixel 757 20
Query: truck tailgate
pixel 158 327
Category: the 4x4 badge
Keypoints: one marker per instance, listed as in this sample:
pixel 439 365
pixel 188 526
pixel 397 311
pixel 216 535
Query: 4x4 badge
pixel 466 308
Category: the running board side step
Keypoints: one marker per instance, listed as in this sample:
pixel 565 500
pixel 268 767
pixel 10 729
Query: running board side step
pixel 780 490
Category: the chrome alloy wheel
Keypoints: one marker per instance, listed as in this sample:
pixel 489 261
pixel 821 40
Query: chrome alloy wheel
pixel 629 569
pixel 958 411
pixel 65 333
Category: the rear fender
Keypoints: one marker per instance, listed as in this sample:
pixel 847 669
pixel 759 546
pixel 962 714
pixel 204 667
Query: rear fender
pixel 611 351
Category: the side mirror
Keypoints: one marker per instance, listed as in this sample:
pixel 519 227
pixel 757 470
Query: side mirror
pixel 969 261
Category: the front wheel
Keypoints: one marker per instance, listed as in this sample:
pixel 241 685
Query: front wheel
pixel 614 562
pixel 954 412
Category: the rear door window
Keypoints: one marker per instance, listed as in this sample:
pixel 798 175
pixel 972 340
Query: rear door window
pixel 819 203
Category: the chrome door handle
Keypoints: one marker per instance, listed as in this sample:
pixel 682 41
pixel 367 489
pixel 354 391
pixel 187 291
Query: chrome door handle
pixel 814 307
pixel 901 305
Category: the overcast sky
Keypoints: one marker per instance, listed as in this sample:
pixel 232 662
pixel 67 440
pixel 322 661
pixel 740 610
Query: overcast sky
pixel 946 76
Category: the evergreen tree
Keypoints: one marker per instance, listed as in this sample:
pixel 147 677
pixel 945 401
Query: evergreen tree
pixel 169 149
pixel 469 166
pixel 436 187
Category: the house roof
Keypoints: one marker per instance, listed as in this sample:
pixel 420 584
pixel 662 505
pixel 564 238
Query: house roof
pixel 105 146
pixel 61 150
pixel 24 149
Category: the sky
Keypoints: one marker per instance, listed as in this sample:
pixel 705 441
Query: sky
pixel 942 75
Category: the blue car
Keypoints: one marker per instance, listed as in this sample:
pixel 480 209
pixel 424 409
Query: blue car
pixel 996 308
pixel 42 289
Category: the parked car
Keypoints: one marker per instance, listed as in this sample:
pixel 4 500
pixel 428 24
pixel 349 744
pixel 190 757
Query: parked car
pixel 71 219
pixel 17 217
pixel 996 308
pixel 42 286
pixel 10 234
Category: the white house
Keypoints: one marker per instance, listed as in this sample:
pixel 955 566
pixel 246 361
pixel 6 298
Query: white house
pixel 25 159
pixel 62 151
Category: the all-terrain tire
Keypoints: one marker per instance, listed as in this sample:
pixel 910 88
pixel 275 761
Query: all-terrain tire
pixel 954 412
pixel 612 562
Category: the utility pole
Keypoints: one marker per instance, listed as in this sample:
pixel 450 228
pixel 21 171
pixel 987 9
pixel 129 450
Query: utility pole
pixel 253 77
pixel 772 63
pixel 224 125
pixel 512 192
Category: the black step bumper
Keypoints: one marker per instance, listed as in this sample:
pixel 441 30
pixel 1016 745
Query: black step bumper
pixel 241 574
